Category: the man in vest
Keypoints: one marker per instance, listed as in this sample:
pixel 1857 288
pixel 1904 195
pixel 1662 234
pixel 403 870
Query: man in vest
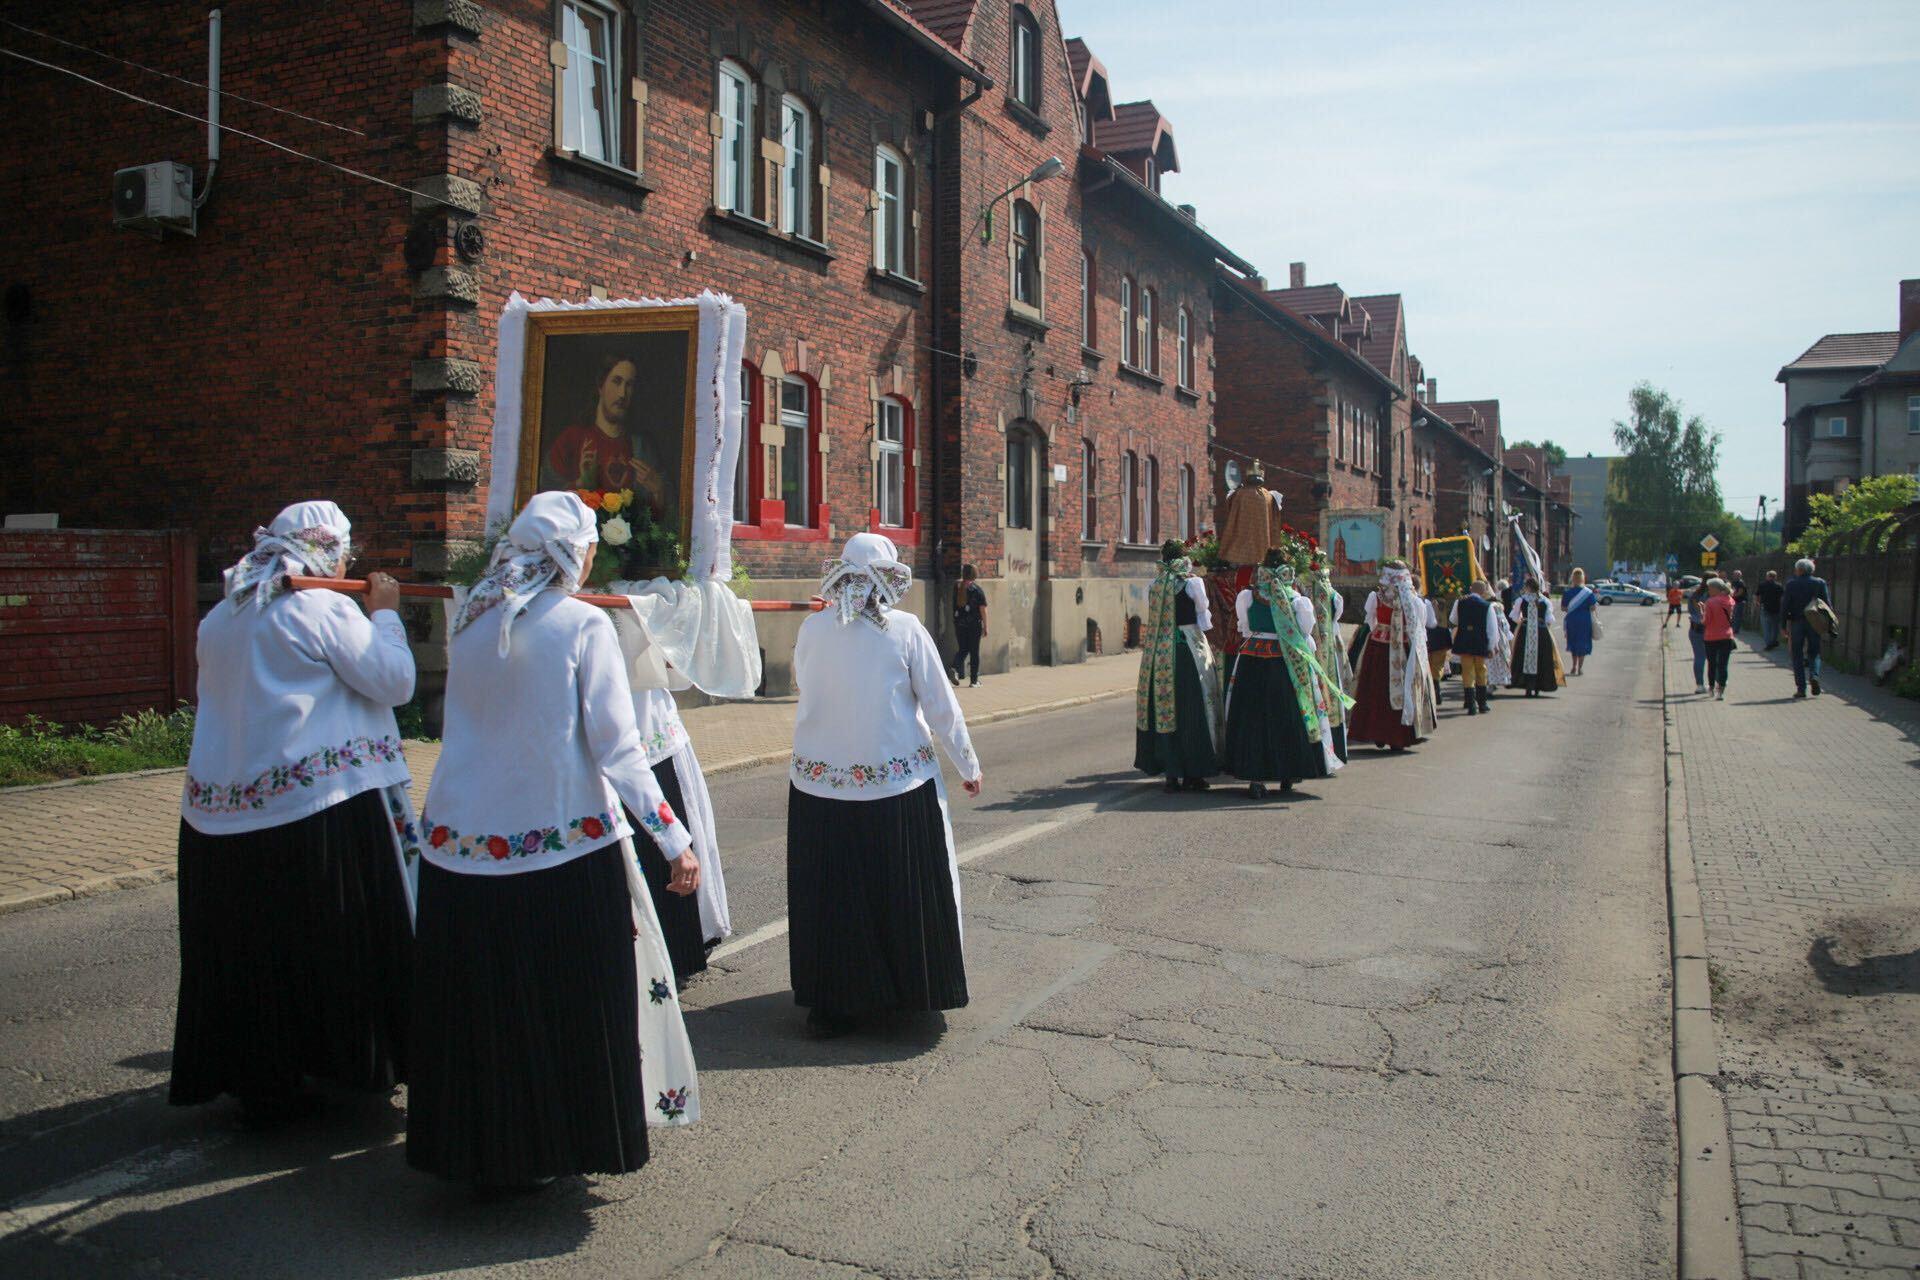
pixel 1472 642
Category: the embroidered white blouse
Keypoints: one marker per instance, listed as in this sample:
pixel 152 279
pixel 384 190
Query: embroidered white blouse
pixel 867 699
pixel 1302 613
pixel 296 710
pixel 1518 613
pixel 657 718
pixel 541 747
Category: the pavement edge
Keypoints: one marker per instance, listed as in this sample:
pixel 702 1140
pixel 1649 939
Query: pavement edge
pixel 1709 1214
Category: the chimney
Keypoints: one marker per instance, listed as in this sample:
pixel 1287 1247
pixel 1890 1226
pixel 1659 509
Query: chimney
pixel 1192 214
pixel 1296 275
pixel 1433 391
pixel 1909 308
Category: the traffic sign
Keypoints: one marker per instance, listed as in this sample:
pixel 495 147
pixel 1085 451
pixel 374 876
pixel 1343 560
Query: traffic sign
pixel 1709 544
pixel 1673 563
pixel 1708 559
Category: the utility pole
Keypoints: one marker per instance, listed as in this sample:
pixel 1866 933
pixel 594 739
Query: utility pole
pixel 1759 519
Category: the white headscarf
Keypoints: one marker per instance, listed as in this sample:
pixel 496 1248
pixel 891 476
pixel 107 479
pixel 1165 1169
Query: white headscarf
pixel 867 579
pixel 545 546
pixel 306 538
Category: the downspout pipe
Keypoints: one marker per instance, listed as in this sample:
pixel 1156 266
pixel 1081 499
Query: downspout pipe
pixel 213 107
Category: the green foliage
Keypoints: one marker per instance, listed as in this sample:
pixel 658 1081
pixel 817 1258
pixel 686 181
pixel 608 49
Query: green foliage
pixel 1663 495
pixel 1864 500
pixel 42 751
pixel 1907 682
pixel 1556 456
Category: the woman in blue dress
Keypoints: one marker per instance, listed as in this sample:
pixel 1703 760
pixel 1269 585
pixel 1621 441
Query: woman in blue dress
pixel 1577 604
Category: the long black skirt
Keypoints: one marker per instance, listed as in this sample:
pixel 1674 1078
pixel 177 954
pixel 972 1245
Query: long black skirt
pixel 1188 751
pixel 1266 739
pixel 1543 679
pixel 526 1033
pixel 873 921
pixel 295 957
pixel 687 943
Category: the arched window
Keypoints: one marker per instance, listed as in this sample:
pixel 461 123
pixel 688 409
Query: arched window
pixel 590 81
pixel 797 169
pixel 1130 497
pixel 1149 334
pixel 1025 80
pixel 1019 481
pixel 1186 530
pixel 799 437
pixel 890 212
pixel 893 462
pixel 1129 331
pixel 1088 337
pixel 1089 492
pixel 734 149
pixel 1026 255
pixel 1185 370
pixel 1153 498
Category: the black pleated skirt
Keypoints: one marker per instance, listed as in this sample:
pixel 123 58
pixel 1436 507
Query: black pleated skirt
pixel 1542 680
pixel 873 922
pixel 687 943
pixel 526 1036
pixel 295 955
pixel 1266 739
pixel 1188 751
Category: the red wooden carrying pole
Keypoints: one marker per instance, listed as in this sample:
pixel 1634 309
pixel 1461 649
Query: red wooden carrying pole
pixel 425 591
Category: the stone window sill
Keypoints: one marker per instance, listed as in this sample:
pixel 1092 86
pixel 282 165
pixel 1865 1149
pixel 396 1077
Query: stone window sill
pixel 1091 355
pixel 1021 316
pixel 880 277
pixel 1187 395
pixel 1029 119
pixel 612 174
pixel 773 235
pixel 1138 546
pixel 1141 375
pixel 772 525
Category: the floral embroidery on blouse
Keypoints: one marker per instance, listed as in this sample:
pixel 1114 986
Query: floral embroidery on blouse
pixel 235 797
pixel 658 991
pixel 667 736
pixel 403 824
pixel 673 1103
pixel 840 777
pixel 522 844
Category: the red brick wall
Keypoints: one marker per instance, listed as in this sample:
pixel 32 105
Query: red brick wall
pixel 94 624
pixel 211 380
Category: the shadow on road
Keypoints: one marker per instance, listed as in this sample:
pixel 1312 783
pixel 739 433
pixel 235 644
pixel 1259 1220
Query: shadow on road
pixel 756 1033
pixel 1874 975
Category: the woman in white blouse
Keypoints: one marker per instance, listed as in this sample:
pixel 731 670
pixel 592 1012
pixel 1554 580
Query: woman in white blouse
pixel 693 924
pixel 1176 724
pixel 543 990
pixel 1278 695
pixel 1536 667
pixel 873 883
pixel 295 897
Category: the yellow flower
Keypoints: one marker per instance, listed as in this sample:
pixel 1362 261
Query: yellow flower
pixel 611 502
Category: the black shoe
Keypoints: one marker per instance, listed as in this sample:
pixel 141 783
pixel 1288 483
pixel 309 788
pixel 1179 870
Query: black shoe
pixel 822 1025
pixel 1813 682
pixel 1473 708
pixel 1173 783
pixel 1799 693
pixel 1197 784
pixel 1485 699
pixel 1286 788
pixel 1257 790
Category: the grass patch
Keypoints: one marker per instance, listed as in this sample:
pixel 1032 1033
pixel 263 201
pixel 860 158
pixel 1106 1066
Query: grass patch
pixel 41 751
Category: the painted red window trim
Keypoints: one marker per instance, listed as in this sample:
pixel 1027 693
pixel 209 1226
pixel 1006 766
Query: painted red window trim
pixel 769 515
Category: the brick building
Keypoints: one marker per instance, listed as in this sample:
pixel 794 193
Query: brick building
pixel 1467 449
pixel 914 351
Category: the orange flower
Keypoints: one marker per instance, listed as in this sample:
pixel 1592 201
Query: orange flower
pixel 589 497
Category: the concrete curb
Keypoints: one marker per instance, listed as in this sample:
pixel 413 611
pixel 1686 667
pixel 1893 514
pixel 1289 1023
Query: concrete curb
pixel 56 894
pixel 1709 1214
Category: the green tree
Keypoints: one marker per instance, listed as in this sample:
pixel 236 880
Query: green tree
pixel 1556 456
pixel 1863 500
pixel 1663 495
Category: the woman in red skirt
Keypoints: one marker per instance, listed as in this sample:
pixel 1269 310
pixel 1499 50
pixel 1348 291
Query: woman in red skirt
pixel 1392 687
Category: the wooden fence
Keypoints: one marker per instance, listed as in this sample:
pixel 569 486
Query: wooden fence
pixel 1873 574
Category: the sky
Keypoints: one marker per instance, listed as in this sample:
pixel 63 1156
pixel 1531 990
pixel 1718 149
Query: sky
pixel 1570 197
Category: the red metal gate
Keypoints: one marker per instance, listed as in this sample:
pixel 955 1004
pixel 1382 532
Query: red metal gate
pixel 94 623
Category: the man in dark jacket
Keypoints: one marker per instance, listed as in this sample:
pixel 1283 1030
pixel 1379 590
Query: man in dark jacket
pixel 1770 592
pixel 1802 591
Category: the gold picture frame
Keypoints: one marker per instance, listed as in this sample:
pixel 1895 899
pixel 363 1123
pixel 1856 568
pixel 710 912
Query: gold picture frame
pixel 573 390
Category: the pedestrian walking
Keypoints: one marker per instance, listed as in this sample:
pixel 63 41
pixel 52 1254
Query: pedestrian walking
pixel 1737 585
pixel 873 880
pixel 1697 636
pixel 294 889
pixel 1535 664
pixel 1176 725
pixel 547 1033
pixel 1472 616
pixel 1578 605
pixel 1327 608
pixel 1499 649
pixel 1769 593
pixel 1717 613
pixel 969 624
pixel 1676 600
pixel 692 924
pixel 1277 698
pixel 1803 639
pixel 1393 703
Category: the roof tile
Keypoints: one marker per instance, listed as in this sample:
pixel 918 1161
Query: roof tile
pixel 1847 351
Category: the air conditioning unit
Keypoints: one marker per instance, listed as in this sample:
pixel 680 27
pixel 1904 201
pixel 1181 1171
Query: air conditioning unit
pixel 155 198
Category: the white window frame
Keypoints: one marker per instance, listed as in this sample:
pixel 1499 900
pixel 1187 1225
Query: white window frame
pixel 1152 178
pixel 890 462
pixel 1030 245
pixel 797 136
pixel 1129 339
pixel 749 436
pixel 800 420
pixel 1149 332
pixel 1913 415
pixel 1836 428
pixel 1086 298
pixel 1153 498
pixel 734 150
pixel 1130 497
pixel 890 211
pixel 576 91
pixel 1089 492
pixel 1184 373
pixel 1186 500
pixel 1025 86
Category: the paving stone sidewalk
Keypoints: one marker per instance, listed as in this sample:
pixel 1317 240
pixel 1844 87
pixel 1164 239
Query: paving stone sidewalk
pixel 71 839
pixel 1805 825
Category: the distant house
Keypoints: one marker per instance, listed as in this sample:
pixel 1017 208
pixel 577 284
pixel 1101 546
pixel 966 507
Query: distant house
pixel 1852 409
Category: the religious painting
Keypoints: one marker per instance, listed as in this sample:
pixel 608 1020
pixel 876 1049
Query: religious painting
pixel 1355 541
pixel 607 410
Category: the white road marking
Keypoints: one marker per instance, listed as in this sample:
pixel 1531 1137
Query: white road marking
pixel 109 1180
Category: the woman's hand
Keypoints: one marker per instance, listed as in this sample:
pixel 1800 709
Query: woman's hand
pixel 686 874
pixel 382 592
pixel 972 788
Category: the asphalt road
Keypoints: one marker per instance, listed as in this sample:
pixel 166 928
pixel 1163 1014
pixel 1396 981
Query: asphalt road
pixel 1411 1021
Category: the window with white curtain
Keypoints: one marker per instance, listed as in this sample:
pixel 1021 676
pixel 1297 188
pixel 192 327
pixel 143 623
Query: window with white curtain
pixel 796 170
pixel 733 189
pixel 1026 59
pixel 796 422
pixel 890 462
pixel 1185 370
pixel 1129 338
pixel 590 118
pixel 890 211
pixel 1149 334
